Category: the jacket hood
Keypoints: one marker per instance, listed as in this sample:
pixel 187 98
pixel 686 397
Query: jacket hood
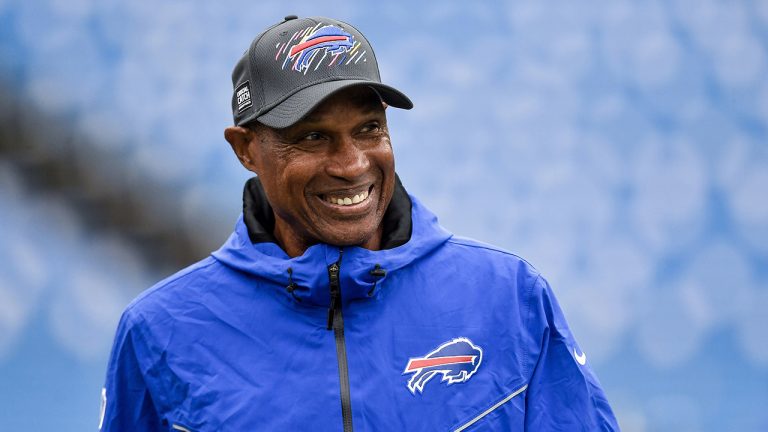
pixel 410 232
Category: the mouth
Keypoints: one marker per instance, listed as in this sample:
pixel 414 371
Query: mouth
pixel 348 198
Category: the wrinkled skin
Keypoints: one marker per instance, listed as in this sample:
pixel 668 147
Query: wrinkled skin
pixel 341 149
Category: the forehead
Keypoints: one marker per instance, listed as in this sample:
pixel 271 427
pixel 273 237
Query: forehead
pixel 362 99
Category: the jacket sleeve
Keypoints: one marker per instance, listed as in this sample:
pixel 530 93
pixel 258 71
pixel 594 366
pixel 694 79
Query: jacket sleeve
pixel 126 399
pixel 563 393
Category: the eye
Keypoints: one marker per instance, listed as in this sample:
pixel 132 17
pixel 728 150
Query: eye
pixel 312 136
pixel 370 127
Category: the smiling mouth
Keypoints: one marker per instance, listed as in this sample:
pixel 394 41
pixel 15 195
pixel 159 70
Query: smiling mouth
pixel 348 200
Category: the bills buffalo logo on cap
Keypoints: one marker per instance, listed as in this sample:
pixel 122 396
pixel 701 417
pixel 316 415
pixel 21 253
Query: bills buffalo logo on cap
pixel 456 360
pixel 313 47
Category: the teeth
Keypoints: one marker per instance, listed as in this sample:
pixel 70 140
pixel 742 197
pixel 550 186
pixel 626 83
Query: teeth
pixel 349 200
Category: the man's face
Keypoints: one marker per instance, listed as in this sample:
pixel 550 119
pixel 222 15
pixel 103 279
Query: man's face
pixel 329 177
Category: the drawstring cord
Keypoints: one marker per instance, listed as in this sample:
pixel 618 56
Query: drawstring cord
pixel 378 273
pixel 292 286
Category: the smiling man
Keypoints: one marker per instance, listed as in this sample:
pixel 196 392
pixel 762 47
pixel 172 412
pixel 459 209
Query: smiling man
pixel 329 177
pixel 339 303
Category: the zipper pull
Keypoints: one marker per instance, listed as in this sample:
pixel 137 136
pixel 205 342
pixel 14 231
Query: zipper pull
pixel 333 275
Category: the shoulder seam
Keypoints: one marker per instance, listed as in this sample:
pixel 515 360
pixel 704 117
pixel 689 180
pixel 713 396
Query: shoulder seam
pixel 200 265
pixel 528 316
pixel 479 245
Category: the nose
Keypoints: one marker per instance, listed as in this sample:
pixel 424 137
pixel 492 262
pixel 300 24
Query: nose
pixel 347 160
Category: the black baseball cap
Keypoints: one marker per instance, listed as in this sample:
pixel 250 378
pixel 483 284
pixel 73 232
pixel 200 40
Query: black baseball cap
pixel 294 65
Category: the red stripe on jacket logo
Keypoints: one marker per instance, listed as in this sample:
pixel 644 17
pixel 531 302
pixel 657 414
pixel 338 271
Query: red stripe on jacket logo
pixel 414 364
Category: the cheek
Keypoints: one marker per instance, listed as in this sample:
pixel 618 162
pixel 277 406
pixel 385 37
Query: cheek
pixel 384 157
pixel 276 187
pixel 385 162
pixel 291 182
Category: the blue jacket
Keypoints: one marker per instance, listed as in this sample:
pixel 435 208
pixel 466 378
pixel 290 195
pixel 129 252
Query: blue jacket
pixel 436 333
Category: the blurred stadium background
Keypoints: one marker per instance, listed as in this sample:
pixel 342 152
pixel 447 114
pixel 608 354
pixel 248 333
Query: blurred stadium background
pixel 621 146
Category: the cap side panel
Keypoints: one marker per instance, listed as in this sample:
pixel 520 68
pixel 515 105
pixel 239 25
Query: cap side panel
pixel 373 53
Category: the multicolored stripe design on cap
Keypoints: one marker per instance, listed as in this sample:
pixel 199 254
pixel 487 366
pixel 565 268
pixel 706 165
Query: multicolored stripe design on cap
pixel 312 47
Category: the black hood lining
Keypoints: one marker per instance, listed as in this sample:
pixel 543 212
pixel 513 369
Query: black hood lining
pixel 260 219
pixel 257 213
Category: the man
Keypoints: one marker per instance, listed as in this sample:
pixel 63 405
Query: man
pixel 339 303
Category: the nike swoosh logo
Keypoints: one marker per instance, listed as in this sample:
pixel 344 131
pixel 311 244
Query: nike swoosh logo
pixel 580 359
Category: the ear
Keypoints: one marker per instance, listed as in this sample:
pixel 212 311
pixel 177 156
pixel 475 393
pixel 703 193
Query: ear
pixel 240 139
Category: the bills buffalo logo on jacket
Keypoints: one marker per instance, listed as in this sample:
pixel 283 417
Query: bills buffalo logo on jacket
pixel 456 360
pixel 312 47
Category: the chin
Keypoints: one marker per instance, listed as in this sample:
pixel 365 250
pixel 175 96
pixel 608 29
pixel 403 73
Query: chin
pixel 348 238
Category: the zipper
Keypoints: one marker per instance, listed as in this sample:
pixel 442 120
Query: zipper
pixel 336 322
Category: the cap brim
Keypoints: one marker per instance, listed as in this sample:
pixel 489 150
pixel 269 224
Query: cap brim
pixel 299 104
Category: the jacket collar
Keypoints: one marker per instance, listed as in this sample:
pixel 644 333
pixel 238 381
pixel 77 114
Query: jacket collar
pixel 260 219
pixel 410 231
